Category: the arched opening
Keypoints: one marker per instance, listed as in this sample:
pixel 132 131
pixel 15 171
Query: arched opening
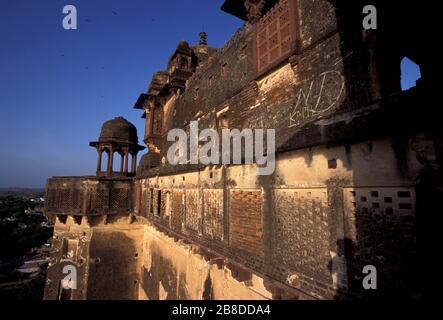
pixel 116 164
pixel 159 203
pixel 133 162
pixel 121 168
pixel 410 73
pixel 105 159
pixel 168 204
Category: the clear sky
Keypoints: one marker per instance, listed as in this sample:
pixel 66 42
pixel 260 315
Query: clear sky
pixel 58 86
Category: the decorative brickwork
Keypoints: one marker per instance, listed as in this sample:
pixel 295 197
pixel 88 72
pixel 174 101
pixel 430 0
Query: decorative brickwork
pixel 245 221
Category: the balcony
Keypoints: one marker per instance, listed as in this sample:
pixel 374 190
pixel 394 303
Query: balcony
pixel 88 196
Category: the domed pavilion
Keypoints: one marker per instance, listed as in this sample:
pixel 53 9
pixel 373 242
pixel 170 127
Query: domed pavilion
pixel 117 136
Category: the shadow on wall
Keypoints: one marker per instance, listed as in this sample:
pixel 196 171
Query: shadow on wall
pixel 385 225
pixel 161 282
pixel 113 273
pixel 375 225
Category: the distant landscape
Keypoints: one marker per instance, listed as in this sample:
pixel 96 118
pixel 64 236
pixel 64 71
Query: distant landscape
pixel 4 192
pixel 25 236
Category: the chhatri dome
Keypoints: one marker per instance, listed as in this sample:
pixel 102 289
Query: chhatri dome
pixel 119 130
pixel 117 136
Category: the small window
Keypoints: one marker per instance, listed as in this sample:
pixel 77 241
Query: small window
pixel 151 201
pixel 167 207
pixel 405 206
pixel 159 202
pixel 410 73
pixel 332 164
pixel 404 194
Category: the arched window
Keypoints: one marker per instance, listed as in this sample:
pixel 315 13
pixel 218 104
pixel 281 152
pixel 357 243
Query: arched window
pixel 105 159
pixel 117 163
pixel 410 73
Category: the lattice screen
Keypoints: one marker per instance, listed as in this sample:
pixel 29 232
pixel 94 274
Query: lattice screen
pixel 144 203
pixel 213 213
pixel 77 199
pixel 97 198
pixel 276 35
pixel 119 198
pixel 378 205
pixel 380 222
pixel 192 209
pixel 301 230
pixel 178 209
pixel 65 202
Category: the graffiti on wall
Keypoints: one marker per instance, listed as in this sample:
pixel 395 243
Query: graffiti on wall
pixel 316 97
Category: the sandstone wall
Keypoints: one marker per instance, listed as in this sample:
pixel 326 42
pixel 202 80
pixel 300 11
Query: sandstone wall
pixel 313 225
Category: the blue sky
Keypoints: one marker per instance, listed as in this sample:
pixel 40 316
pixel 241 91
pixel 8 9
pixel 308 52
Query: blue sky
pixel 57 86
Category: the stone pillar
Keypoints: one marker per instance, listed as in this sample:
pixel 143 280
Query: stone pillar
pixel 134 163
pixel 126 161
pixel 99 161
pixel 122 162
pixel 110 161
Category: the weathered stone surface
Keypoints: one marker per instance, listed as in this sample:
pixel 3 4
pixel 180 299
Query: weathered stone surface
pixel 358 163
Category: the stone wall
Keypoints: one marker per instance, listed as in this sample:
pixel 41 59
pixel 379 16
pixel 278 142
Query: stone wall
pixel 172 270
pixel 356 166
pixel 313 225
